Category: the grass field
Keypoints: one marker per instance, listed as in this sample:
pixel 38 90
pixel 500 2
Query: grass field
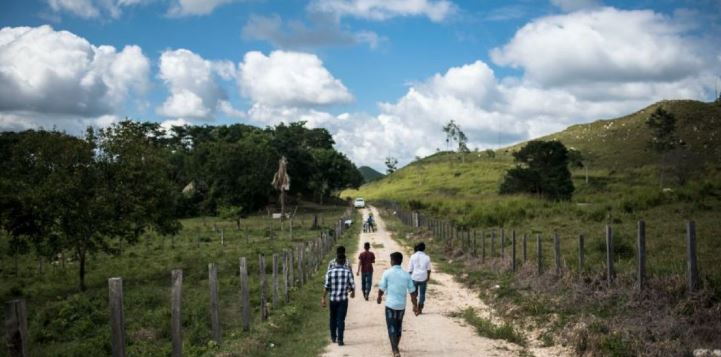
pixel 64 322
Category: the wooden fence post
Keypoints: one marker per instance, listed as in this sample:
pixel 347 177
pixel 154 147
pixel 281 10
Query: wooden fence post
pixel 214 307
pixel 493 243
pixel 503 244
pixel 244 294
pixel 557 252
pixel 117 317
pixel 483 246
pixel 285 276
pixel 641 251
pixel 539 253
pixel 291 267
pixel 301 248
pixel 693 282
pixel 525 248
pixel 263 288
pixel 16 327
pixel 276 295
pixel 513 251
pixel 176 324
pixel 609 254
pixel 475 252
pixel 581 253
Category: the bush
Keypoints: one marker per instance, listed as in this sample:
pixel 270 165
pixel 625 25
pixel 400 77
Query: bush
pixel 542 169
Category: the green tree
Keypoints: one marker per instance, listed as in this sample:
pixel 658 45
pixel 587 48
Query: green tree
pixel 542 168
pixel 578 160
pixel 333 172
pixel 82 194
pixel 664 138
pixel 454 133
pixel 391 165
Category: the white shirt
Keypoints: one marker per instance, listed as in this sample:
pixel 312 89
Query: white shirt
pixel 419 266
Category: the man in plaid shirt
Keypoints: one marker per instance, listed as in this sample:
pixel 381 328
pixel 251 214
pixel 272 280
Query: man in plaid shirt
pixel 338 282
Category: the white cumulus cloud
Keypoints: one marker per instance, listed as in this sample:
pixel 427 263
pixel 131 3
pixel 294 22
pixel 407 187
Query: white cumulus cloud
pixel 193 84
pixel 45 71
pixel 286 78
pixel 435 10
pixel 607 45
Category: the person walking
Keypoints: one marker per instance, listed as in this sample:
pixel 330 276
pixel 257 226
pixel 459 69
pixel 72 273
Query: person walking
pixel 338 251
pixel 366 259
pixel 395 284
pixel 338 283
pixel 420 269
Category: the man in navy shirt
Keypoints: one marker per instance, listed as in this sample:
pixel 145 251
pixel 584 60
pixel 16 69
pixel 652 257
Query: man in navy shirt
pixel 338 283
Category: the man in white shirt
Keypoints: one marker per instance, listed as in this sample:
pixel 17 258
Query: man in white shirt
pixel 420 269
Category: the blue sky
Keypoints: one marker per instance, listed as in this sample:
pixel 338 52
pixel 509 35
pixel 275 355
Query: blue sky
pixel 382 75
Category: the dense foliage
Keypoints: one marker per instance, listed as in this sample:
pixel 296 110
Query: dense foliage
pixel 233 166
pixel 60 193
pixel 542 168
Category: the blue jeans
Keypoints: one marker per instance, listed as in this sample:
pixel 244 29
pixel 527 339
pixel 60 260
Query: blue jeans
pixel 338 310
pixel 394 321
pixel 367 282
pixel 421 291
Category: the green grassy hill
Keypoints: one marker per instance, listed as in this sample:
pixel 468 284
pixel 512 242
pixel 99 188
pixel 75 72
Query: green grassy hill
pixel 623 186
pixel 370 174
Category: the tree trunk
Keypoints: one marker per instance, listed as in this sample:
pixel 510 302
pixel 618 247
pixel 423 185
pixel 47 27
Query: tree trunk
pixel 282 205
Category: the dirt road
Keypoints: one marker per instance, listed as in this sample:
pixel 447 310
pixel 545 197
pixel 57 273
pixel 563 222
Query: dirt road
pixel 433 333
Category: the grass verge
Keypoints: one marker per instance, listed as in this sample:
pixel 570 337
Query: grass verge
pixel 486 328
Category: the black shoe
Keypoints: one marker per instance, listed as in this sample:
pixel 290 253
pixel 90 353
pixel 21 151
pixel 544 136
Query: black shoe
pixel 340 343
pixel 332 339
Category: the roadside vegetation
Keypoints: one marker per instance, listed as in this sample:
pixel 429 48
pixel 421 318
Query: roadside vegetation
pixel 65 322
pixel 618 179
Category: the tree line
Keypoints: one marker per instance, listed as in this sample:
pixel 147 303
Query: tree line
pixel 62 194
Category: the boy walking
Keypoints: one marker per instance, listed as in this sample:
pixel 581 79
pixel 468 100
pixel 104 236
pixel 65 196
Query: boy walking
pixel 395 284
pixel 365 267
pixel 420 269
pixel 338 251
pixel 338 283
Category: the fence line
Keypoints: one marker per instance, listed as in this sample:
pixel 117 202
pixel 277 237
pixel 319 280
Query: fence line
pixel 307 255
pixel 446 231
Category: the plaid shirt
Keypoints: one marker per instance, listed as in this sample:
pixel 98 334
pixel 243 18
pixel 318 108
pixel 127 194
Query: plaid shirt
pixel 338 281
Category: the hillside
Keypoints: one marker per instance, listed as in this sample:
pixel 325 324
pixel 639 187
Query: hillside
pixel 369 174
pixel 615 148
pixel 623 187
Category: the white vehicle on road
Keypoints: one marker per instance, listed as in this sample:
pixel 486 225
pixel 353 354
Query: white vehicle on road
pixel 359 203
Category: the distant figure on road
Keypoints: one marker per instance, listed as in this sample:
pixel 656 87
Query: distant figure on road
pixel 366 260
pixel 420 269
pixel 338 283
pixel 338 251
pixel 369 225
pixel 395 284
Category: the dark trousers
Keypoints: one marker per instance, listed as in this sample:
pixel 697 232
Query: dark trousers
pixel 394 322
pixel 367 282
pixel 338 310
pixel 421 290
